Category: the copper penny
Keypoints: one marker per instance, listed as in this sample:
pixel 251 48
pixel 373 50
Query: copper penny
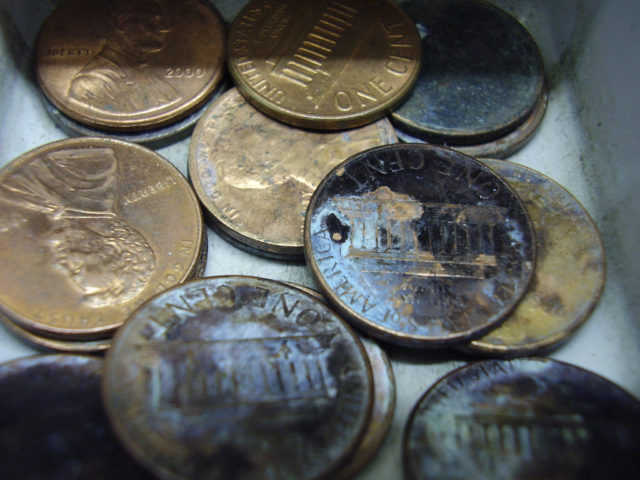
pixel 522 419
pixel 130 65
pixel 255 176
pixel 419 245
pixel 569 273
pixel 89 229
pixel 53 425
pixel 238 377
pixel 326 65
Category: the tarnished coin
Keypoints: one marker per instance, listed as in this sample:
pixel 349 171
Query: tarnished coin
pixel 255 176
pixel 481 75
pixel 419 245
pixel 523 419
pixel 569 273
pixel 238 377
pixel 53 425
pixel 384 400
pixel 89 229
pixel 326 65
pixel 130 64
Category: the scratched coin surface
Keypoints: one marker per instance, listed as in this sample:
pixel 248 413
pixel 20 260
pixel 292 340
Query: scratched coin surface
pixel 481 75
pixel 238 377
pixel 255 176
pixel 53 424
pixel 569 273
pixel 324 64
pixel 130 65
pixel 89 229
pixel 522 419
pixel 419 245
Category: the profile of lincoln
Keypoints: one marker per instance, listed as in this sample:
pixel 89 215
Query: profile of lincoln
pixel 104 258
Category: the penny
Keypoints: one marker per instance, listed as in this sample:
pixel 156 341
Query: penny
pixel 53 424
pixel 481 75
pixel 237 377
pixel 384 399
pixel 501 147
pixel 419 245
pixel 89 229
pixel 255 176
pixel 569 273
pixel 130 65
pixel 326 65
pixel 525 418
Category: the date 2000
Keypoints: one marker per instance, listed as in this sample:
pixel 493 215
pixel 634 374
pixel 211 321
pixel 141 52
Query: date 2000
pixel 186 72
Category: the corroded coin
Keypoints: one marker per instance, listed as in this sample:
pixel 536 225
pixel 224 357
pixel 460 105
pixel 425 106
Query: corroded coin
pixel 53 424
pixel 523 419
pixel 384 399
pixel 569 273
pixel 255 176
pixel 237 377
pixel 327 65
pixel 130 65
pixel 481 75
pixel 419 245
pixel 89 229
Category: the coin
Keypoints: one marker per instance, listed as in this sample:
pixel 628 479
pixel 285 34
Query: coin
pixel 522 419
pixel 569 273
pixel 503 146
pixel 89 229
pixel 237 377
pixel 325 65
pixel 53 424
pixel 255 176
pixel 481 75
pixel 130 65
pixel 384 399
pixel 419 245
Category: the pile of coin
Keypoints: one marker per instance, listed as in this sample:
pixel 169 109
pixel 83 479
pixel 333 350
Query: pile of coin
pixel 413 244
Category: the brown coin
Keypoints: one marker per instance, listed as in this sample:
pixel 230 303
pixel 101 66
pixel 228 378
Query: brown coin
pixel 53 424
pixel 419 245
pixel 130 65
pixel 255 176
pixel 89 229
pixel 531 418
pixel 237 377
pixel 384 399
pixel 326 65
pixel 569 273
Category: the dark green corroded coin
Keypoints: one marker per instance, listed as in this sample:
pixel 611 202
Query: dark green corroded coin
pixel 523 419
pixel 53 425
pixel 419 245
pixel 481 74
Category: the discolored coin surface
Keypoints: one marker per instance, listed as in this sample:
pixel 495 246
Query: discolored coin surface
pixel 255 176
pixel 522 419
pixel 384 399
pixel 419 245
pixel 481 75
pixel 569 273
pixel 501 147
pixel 53 424
pixel 89 229
pixel 130 65
pixel 238 377
pixel 326 65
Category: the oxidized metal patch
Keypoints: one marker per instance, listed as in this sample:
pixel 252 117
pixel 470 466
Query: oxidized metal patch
pixel 419 245
pixel 569 273
pixel 238 377
pixel 528 418
pixel 481 74
pixel 53 424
